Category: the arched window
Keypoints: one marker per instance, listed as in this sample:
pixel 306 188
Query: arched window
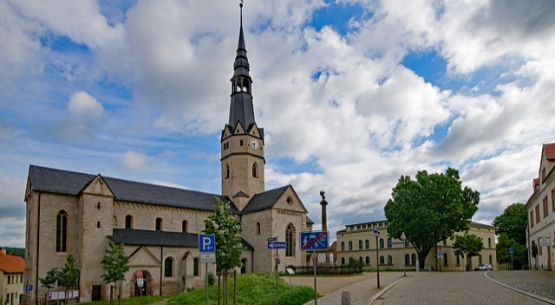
pixel 458 260
pixel 184 226
pixel 168 267
pixel 342 246
pixel 413 259
pixel 360 244
pixel 350 245
pixel 390 260
pixel 381 260
pixel 129 222
pixel 480 258
pixel 490 260
pixel 255 170
pixel 445 262
pixel 227 172
pixel 243 265
pixel 158 224
pixel 195 267
pixel 368 261
pixel 360 260
pixel 407 259
pixel 389 244
pixel 489 242
pixel 258 228
pixel 367 244
pixel 61 231
pixel 381 243
pixel 343 261
pixel 290 240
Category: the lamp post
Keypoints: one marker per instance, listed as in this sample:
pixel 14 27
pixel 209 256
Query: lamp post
pixel 403 238
pixel 377 234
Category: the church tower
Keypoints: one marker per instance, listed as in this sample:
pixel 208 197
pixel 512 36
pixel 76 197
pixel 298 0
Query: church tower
pixel 242 142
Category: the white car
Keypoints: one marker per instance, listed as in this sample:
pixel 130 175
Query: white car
pixel 484 267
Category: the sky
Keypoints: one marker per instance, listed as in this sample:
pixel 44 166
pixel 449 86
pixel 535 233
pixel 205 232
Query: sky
pixel 352 94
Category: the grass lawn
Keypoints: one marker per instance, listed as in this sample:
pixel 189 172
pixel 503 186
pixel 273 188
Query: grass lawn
pixel 131 301
pixel 252 289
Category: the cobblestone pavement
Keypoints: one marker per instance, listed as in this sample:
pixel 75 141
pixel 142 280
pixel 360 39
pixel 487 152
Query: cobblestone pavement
pixel 361 288
pixel 451 288
pixel 541 283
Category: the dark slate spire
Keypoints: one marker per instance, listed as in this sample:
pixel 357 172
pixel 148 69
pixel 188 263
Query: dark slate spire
pixel 241 109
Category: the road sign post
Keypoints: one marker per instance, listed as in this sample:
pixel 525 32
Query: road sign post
pixel 314 241
pixel 207 250
pixel 274 244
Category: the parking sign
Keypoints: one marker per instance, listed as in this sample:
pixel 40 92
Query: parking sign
pixel 206 243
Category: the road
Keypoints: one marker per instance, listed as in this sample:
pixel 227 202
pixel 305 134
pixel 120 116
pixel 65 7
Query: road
pixel 451 288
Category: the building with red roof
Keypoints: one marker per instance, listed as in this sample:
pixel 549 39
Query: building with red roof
pixel 11 278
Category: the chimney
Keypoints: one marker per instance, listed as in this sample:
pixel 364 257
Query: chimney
pixel 324 203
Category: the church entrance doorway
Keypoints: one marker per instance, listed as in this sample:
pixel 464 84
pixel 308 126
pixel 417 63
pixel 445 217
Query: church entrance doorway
pixel 142 281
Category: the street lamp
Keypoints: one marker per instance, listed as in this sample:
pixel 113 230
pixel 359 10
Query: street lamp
pixel 403 238
pixel 377 234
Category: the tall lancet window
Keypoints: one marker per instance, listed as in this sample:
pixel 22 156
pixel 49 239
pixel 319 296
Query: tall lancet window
pixel 61 231
pixel 290 240
pixel 255 170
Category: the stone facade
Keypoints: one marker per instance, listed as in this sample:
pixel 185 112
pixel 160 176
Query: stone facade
pixel 358 241
pixel 71 213
pixel 541 212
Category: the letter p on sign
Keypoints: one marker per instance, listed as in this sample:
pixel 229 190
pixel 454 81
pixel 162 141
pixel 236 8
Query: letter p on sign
pixel 206 243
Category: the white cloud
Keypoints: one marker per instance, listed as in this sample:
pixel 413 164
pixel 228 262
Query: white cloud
pixel 84 105
pixel 133 161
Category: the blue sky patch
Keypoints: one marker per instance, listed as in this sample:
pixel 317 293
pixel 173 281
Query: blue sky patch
pixel 62 44
pixel 337 15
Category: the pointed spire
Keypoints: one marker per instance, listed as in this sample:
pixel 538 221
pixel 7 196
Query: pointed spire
pixel 241 65
pixel 241 110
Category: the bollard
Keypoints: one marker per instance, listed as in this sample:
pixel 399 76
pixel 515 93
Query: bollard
pixel 345 298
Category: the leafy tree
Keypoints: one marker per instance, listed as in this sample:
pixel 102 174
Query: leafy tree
pixel 520 256
pixel 50 280
pixel 68 277
pixel 229 247
pixel 468 245
pixel 512 223
pixel 116 264
pixel 430 209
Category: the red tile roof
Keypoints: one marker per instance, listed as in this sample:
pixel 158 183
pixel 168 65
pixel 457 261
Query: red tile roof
pixel 549 151
pixel 11 263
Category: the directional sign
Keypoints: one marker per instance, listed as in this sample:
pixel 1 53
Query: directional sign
pixel 28 288
pixel 317 240
pixel 277 245
pixel 511 250
pixel 206 243
pixel 270 239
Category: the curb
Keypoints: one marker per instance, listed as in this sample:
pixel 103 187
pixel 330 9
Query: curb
pixel 519 290
pixel 379 294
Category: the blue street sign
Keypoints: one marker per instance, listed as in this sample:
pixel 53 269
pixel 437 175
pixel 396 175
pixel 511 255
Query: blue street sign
pixel 277 245
pixel 317 240
pixel 28 288
pixel 206 243
pixel 511 250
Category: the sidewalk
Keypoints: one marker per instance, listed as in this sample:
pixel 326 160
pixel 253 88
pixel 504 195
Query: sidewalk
pixel 534 282
pixel 361 287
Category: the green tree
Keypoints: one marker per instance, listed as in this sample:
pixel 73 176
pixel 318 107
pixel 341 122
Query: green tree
pixel 512 222
pixel 520 256
pixel 229 246
pixel 468 245
pixel 430 209
pixel 116 264
pixel 50 280
pixel 68 277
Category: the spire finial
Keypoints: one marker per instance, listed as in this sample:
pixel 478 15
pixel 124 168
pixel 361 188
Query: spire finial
pixel 241 6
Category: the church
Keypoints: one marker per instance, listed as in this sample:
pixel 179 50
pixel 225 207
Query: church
pixel 72 213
